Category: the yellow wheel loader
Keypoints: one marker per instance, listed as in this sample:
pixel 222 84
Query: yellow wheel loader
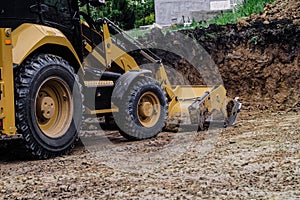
pixel 57 63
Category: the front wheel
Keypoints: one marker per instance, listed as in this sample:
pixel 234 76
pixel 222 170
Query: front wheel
pixel 142 110
pixel 48 105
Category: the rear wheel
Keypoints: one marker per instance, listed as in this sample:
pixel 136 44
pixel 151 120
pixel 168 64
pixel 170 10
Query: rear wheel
pixel 143 110
pixel 48 105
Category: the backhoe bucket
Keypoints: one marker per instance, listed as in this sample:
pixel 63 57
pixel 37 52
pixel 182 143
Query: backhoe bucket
pixel 201 105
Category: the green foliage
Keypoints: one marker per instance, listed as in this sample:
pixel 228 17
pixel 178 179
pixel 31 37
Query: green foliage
pixel 130 14
pixel 126 13
pixel 150 19
pixel 122 13
pixel 144 12
pixel 246 8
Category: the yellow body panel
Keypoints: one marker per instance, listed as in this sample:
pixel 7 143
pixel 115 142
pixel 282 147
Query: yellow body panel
pixel 29 37
pixel 187 92
pixel 15 47
pixel 7 103
pixel 186 96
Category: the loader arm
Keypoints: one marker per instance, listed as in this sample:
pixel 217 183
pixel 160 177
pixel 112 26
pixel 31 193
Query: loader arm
pixel 113 52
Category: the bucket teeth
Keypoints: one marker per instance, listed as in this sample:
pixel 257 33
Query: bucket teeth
pixel 199 114
pixel 233 108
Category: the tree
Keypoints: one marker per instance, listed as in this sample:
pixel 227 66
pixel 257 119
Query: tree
pixel 127 14
pixel 122 14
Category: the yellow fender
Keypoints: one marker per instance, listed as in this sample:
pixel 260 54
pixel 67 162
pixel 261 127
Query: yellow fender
pixel 29 37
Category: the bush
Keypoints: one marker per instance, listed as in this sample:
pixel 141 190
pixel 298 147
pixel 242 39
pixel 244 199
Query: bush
pixel 126 13
pixel 244 9
pixel 145 21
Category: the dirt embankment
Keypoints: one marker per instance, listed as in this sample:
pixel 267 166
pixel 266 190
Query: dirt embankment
pixel 258 58
pixel 259 62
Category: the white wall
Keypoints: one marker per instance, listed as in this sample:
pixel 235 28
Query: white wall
pixel 171 11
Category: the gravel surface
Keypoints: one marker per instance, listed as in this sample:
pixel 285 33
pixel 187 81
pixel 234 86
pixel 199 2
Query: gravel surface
pixel 258 158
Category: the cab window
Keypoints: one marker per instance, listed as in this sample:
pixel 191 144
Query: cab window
pixel 59 12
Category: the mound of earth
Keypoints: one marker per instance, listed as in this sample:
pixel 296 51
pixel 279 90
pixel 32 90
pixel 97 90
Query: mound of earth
pixel 259 62
pixel 279 9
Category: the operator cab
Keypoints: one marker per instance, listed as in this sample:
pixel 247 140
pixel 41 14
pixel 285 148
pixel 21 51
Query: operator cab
pixel 60 14
pixel 63 15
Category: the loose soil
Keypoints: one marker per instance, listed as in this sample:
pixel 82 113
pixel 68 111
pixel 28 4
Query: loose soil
pixel 258 158
pixel 279 9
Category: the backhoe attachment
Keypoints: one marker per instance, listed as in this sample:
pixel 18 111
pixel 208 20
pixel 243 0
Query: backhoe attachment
pixel 201 106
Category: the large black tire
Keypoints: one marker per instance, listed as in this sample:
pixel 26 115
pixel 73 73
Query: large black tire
pixel 142 110
pixel 48 105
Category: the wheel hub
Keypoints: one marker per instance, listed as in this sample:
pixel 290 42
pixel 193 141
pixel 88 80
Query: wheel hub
pixel 47 107
pixel 146 109
pixel 54 108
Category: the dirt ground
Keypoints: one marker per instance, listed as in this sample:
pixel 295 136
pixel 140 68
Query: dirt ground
pixel 258 158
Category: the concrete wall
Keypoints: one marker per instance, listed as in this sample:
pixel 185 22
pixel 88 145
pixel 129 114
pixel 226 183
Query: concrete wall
pixel 171 11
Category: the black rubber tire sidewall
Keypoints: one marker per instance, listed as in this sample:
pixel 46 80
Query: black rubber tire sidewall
pixel 29 77
pixel 130 126
pixel 54 144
